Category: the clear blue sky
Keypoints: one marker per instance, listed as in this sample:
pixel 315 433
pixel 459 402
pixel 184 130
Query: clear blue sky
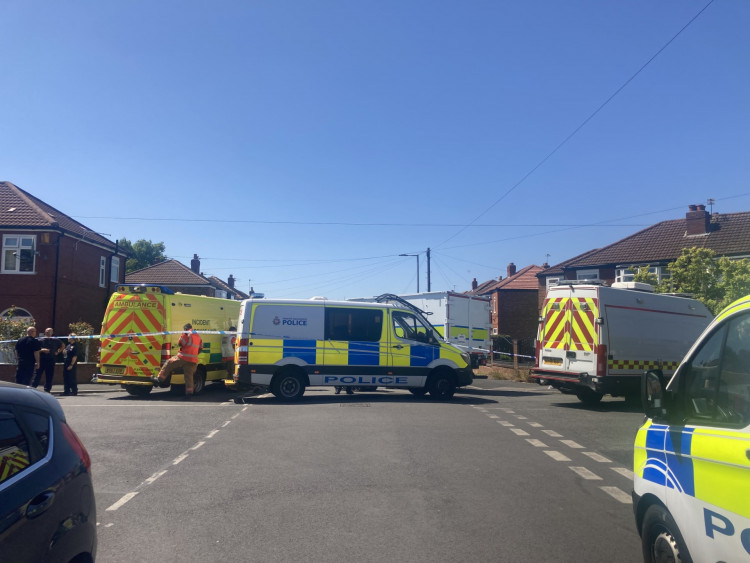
pixel 302 146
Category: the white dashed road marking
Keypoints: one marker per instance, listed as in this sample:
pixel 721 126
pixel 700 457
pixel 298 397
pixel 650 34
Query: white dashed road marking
pixel 552 434
pixel 597 457
pixel 122 501
pixel 586 474
pixel 618 494
pixel 557 456
pixel 571 444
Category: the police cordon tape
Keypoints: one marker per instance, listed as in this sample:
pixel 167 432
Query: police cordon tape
pixel 137 334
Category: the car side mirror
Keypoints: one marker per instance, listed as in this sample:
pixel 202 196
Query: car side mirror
pixel 653 393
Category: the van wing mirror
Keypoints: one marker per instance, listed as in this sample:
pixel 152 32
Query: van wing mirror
pixel 654 393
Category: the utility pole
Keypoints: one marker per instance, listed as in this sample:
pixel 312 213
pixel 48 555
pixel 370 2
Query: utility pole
pixel 429 285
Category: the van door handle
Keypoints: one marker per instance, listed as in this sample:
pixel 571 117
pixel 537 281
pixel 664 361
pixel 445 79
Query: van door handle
pixel 398 346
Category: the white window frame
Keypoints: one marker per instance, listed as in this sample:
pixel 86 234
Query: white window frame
pixel 114 270
pixel 19 246
pixel 587 275
pixel 102 271
pixel 552 281
pixel 627 274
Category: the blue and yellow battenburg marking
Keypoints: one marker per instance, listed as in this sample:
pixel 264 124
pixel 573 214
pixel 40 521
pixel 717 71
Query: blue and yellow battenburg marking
pixel 704 463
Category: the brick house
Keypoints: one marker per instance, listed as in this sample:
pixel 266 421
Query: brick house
pixel 53 269
pixel 514 308
pixel 727 234
pixel 179 278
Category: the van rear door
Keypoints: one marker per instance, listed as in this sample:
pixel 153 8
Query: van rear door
pixel 580 356
pixel 140 315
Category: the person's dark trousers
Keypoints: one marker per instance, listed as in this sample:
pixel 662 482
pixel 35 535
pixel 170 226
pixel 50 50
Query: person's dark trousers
pixel 24 374
pixel 48 369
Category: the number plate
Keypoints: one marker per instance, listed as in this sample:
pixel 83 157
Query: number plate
pixel 552 361
pixel 114 370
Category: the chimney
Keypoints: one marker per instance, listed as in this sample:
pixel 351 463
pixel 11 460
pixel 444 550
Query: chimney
pixel 230 281
pixel 697 220
pixel 474 284
pixel 511 269
pixel 195 264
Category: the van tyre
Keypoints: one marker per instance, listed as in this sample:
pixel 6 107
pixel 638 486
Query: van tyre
pixel 442 385
pixel 661 538
pixel 288 386
pixel 199 380
pixel 589 397
pixel 138 390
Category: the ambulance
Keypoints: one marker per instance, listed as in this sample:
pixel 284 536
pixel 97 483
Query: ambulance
pixel 141 328
pixel 691 462
pixel 288 345
pixel 595 339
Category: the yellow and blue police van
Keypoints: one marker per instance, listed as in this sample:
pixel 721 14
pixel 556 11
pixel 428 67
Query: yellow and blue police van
pixel 691 494
pixel 288 345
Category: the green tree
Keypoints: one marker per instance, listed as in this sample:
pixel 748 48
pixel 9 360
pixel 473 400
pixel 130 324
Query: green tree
pixel 716 282
pixel 143 253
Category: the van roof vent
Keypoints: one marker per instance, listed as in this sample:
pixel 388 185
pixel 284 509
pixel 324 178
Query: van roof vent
pixel 318 298
pixel 636 286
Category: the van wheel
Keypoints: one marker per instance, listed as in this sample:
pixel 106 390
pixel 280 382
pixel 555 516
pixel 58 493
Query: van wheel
pixel 589 397
pixel 199 380
pixel 661 539
pixel 442 385
pixel 138 390
pixel 288 386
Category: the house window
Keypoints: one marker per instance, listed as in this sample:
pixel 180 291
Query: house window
pixel 102 271
pixel 19 254
pixel 114 271
pixel 552 282
pixel 17 314
pixel 587 275
pixel 627 274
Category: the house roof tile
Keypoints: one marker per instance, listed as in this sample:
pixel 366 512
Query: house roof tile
pixel 169 272
pixel 19 209
pixel 728 235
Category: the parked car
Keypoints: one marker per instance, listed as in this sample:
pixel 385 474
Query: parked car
pixel 47 507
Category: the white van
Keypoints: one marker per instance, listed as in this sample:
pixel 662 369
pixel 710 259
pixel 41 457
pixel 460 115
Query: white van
pixel 288 345
pixel 691 492
pixel 595 340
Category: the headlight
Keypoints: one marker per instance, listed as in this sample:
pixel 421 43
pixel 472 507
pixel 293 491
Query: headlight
pixel 466 358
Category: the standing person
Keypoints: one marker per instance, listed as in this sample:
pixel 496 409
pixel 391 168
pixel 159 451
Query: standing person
pixel 51 347
pixel 187 358
pixel 70 380
pixel 27 356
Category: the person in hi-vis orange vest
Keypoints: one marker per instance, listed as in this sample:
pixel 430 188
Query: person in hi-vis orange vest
pixel 187 359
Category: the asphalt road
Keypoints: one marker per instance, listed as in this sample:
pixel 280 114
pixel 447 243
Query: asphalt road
pixel 504 472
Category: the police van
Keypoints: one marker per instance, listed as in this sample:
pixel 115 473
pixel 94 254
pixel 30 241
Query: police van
pixel 691 494
pixel 288 345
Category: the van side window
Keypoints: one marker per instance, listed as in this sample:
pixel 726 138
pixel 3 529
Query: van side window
pixel 361 325
pixel 409 327
pixel 717 385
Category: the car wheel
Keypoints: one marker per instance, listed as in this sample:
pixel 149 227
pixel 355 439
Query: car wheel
pixel 138 390
pixel 442 385
pixel 661 538
pixel 288 386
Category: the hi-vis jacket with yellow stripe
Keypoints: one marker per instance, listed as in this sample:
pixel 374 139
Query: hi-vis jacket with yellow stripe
pixel 595 339
pixel 288 345
pixel 692 456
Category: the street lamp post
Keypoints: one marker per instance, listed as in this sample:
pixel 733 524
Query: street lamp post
pixel 417 256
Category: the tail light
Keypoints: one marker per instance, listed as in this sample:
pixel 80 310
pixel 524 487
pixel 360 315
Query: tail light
pixel 242 351
pixel 78 447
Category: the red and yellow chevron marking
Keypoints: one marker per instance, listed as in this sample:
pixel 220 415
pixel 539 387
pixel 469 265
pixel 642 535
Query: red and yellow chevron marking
pixel 570 323
pixel 583 313
pixel 642 365
pixel 555 323
pixel 12 460
pixel 141 355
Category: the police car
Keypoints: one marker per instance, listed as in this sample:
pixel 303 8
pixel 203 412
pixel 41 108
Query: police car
pixel 691 494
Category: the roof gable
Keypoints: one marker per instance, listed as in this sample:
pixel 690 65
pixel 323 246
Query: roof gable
pixel 19 209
